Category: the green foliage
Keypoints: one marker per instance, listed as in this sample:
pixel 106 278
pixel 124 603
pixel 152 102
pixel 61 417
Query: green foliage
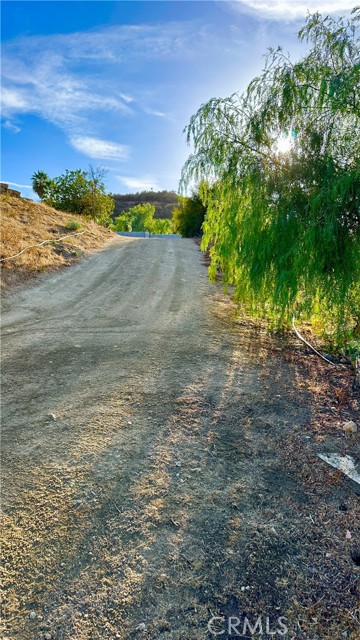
pixel 189 216
pixel 41 184
pixel 77 191
pixel 162 226
pixel 284 227
pixel 97 204
pixel 141 218
pixel 121 223
pixel 72 225
pixel 138 218
pixel 69 191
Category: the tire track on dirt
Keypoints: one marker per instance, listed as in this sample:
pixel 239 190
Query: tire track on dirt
pixel 161 494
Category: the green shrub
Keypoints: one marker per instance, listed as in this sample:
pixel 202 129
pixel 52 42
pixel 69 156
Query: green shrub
pixel 141 218
pixel 72 225
pixel 189 216
pixel 76 192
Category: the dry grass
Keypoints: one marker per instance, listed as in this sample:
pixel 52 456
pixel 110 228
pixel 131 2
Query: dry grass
pixel 24 223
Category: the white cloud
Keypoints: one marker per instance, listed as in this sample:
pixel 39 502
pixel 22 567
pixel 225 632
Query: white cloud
pixel 145 183
pixel 126 98
pixel 11 127
pixel 51 92
pixel 154 112
pixel 292 9
pixel 124 42
pixel 12 100
pixel 101 149
pixel 68 79
pixel 15 184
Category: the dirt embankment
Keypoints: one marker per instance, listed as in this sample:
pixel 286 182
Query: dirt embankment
pixel 160 462
pixel 25 223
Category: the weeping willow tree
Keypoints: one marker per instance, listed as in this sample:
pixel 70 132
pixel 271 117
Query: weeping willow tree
pixel 280 171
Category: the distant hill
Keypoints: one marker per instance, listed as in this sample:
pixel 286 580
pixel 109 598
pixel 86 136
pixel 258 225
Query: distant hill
pixel 163 201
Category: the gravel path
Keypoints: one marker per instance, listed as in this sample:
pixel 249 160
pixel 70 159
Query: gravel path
pixel 148 488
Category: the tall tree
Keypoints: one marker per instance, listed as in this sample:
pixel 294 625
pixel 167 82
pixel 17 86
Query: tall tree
pixel 41 184
pixel 95 177
pixel 138 218
pixel 283 217
pixel 141 218
pixel 77 191
pixel 189 216
pixel 72 192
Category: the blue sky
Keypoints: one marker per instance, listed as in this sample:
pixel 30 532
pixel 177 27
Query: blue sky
pixel 114 83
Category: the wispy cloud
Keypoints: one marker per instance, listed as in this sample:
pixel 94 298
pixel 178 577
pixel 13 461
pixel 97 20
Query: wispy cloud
pixel 15 184
pixel 100 149
pixel 49 90
pixel 68 78
pixel 291 10
pixel 11 126
pixel 157 114
pixel 12 100
pixel 126 98
pixel 145 183
pixel 61 78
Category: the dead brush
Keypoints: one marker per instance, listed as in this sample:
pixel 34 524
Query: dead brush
pixel 25 223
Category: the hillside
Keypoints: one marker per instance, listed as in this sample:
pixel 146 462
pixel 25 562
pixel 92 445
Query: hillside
pixel 25 223
pixel 163 201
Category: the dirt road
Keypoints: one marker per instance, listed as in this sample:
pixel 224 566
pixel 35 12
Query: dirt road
pixel 148 453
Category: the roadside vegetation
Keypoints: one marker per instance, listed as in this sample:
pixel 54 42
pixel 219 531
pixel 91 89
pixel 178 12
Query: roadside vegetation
pixel 142 218
pixel 189 215
pixel 280 178
pixel 81 192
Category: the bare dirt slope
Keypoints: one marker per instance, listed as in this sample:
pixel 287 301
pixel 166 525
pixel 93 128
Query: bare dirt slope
pixel 159 468
pixel 25 223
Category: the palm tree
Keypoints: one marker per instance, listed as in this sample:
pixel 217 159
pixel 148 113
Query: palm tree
pixel 40 183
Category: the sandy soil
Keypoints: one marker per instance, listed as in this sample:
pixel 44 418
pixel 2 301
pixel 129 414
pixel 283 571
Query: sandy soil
pixel 159 465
